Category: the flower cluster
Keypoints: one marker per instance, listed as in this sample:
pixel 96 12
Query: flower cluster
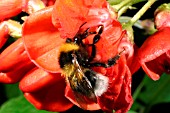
pixel 33 59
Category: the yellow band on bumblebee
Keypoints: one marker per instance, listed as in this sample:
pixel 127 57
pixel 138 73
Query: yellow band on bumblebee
pixel 68 47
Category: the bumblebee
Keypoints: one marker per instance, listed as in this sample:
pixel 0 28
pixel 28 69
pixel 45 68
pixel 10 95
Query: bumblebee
pixel 75 62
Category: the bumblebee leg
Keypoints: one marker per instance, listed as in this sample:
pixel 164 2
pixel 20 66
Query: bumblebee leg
pixel 96 38
pixel 109 63
pixel 97 64
pixel 93 53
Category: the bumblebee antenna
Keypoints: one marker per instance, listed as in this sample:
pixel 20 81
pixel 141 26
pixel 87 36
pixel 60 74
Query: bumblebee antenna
pixel 121 51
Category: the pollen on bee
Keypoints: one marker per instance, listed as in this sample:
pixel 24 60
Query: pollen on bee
pixel 67 70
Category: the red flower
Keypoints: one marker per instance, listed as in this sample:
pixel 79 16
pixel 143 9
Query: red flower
pixel 3 34
pixel 154 55
pixel 10 8
pixel 45 31
pixel 49 2
pixel 12 59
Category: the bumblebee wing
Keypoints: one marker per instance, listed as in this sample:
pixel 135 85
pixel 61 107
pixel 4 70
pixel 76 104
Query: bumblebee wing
pixel 85 96
pixel 82 89
pixel 81 100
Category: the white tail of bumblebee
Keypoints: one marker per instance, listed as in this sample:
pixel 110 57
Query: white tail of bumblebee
pixel 102 83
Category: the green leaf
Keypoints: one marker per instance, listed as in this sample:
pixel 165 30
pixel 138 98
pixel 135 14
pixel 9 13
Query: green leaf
pixel 151 93
pixel 130 111
pixel 12 90
pixel 20 105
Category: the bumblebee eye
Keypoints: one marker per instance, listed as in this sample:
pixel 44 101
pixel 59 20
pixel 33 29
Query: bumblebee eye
pixel 77 40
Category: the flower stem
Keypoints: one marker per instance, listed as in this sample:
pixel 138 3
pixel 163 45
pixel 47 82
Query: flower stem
pixel 121 4
pixel 138 90
pixel 140 12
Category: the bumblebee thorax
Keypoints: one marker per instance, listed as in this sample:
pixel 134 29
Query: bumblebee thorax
pixel 66 54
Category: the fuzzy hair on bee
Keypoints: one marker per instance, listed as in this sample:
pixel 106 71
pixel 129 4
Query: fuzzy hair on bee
pixel 76 64
pixel 84 82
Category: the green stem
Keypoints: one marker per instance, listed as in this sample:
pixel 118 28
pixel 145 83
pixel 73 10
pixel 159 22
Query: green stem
pixel 123 10
pixel 138 90
pixel 124 19
pixel 121 4
pixel 140 12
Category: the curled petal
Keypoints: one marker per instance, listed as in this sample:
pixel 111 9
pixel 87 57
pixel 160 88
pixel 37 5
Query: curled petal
pixel 99 16
pixel 50 98
pixel 75 14
pixel 42 40
pixel 3 35
pixel 70 15
pixel 128 49
pixel 37 78
pixel 14 60
pixel 155 46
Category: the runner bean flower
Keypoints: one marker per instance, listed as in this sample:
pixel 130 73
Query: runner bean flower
pixel 35 59
pixel 11 8
pixel 154 53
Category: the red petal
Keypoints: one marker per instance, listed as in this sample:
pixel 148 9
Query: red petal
pixel 153 47
pixel 69 15
pixel 134 64
pixel 14 60
pixel 42 40
pixel 38 78
pixel 3 34
pixel 107 47
pixel 124 100
pixel 10 8
pixel 118 95
pixel 48 2
pixel 69 94
pixel 50 98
